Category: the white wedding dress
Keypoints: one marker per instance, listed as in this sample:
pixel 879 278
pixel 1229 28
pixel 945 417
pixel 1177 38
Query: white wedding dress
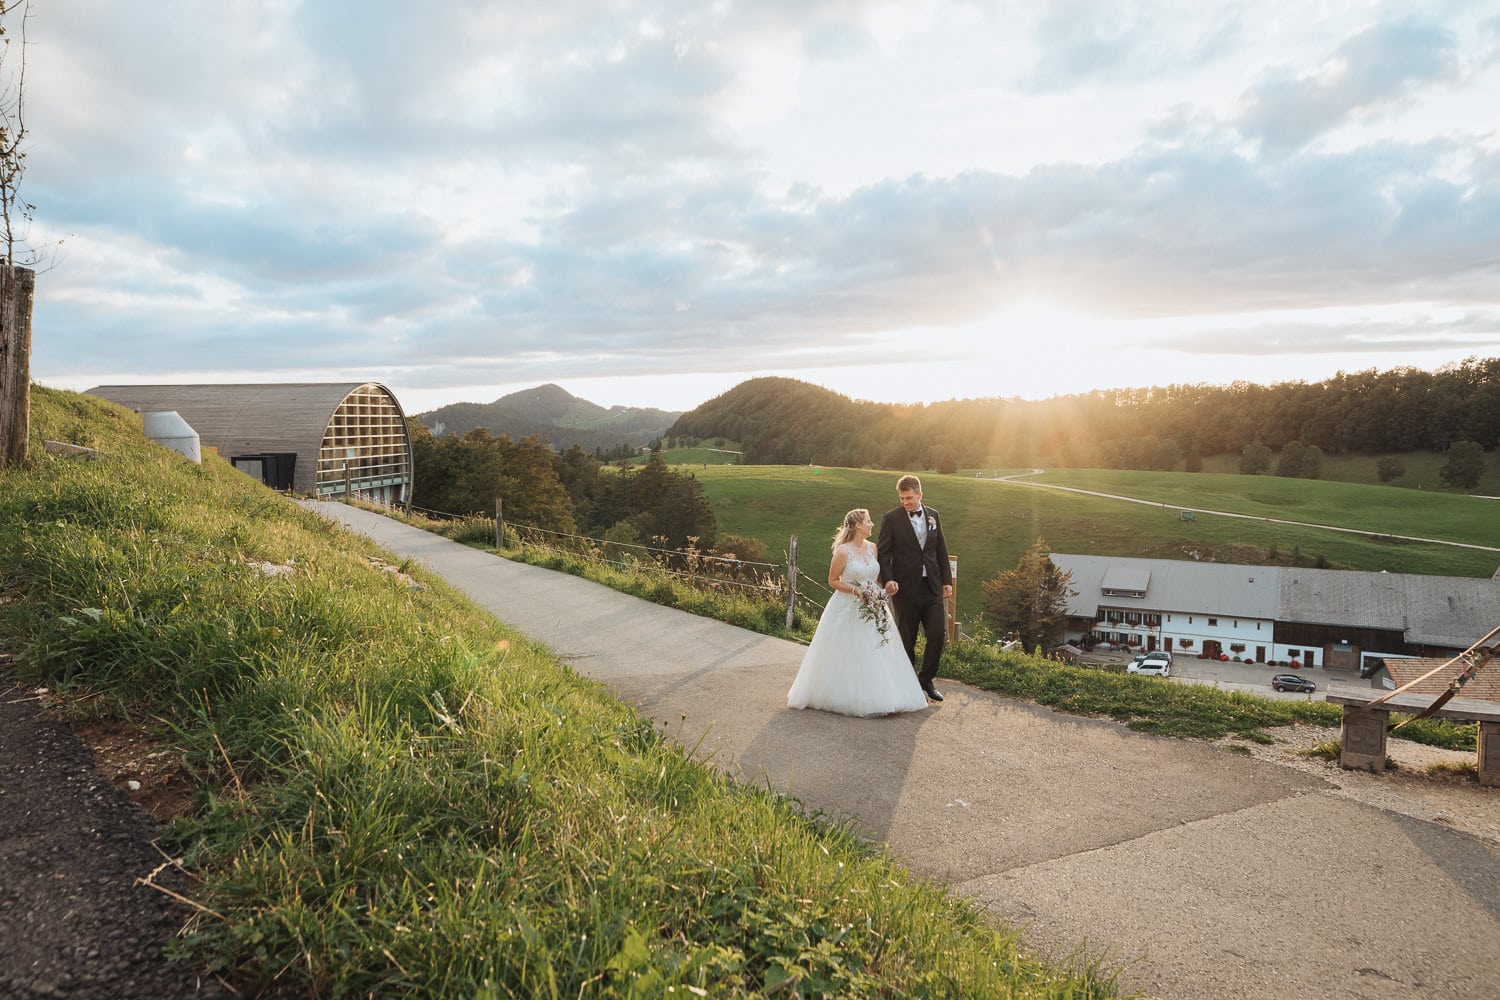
pixel 847 669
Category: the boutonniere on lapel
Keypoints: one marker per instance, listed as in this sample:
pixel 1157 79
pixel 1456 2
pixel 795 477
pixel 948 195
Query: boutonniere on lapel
pixel 931 523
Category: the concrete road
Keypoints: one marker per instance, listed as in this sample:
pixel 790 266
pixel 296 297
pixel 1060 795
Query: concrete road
pixel 1203 873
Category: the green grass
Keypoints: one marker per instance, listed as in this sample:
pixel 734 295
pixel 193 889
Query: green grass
pixel 1422 468
pixel 989 525
pixel 398 796
pixel 1376 510
pixel 692 456
pixel 1194 711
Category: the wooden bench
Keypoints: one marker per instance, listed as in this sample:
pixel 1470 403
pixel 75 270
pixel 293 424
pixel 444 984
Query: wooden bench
pixel 1363 735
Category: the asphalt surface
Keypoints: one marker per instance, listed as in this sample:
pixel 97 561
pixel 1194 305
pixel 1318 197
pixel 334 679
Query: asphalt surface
pixel 1200 873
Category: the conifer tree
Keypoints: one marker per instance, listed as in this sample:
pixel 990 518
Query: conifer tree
pixel 1030 601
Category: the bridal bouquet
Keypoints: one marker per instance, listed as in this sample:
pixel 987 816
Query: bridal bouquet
pixel 874 608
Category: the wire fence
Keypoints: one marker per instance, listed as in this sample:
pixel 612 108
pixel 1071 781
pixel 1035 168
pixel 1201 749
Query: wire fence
pixel 710 571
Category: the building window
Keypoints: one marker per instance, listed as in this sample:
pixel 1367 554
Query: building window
pixel 1213 622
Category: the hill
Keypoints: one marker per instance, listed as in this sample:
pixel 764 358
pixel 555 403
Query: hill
pixel 783 421
pixel 552 412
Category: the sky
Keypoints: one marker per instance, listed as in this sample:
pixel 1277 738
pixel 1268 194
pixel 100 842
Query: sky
pixel 648 203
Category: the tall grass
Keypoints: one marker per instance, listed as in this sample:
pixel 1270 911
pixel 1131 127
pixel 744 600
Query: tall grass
pixel 397 796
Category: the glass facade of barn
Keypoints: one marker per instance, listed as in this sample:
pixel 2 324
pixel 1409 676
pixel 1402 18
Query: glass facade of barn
pixel 366 446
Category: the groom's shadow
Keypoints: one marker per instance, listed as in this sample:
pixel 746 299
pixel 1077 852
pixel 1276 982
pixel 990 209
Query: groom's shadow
pixel 844 767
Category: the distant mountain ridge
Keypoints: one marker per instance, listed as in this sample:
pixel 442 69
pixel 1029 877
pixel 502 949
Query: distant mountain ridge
pixel 550 411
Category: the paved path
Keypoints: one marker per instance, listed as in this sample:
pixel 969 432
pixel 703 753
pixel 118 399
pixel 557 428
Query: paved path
pixel 1208 874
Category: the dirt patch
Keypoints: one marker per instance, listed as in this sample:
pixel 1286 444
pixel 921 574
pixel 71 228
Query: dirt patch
pixel 149 772
pixel 1410 789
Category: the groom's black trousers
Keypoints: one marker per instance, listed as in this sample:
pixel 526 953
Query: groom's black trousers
pixel 930 617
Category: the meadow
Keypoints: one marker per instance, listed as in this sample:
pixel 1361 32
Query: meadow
pixel 989 524
pixel 1422 468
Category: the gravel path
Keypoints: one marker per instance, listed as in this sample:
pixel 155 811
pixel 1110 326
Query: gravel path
pixel 74 922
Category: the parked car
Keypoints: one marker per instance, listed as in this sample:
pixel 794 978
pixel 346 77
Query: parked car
pixel 1292 682
pixel 1157 664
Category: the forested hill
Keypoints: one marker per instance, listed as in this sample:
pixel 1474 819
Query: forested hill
pixel 552 412
pixel 784 421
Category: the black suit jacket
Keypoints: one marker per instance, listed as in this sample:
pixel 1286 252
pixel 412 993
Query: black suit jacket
pixel 902 559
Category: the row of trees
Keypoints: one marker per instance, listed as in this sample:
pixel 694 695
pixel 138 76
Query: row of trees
pixel 570 492
pixel 1463 469
pixel 785 421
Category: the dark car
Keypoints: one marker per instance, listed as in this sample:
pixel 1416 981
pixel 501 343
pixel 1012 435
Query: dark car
pixel 1292 682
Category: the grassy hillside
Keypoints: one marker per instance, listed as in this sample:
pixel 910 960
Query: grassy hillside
pixel 990 524
pixel 1422 469
pixel 693 456
pixel 1376 509
pixel 396 796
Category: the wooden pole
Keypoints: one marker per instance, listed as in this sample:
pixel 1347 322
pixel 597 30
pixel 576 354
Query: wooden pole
pixel 499 523
pixel 17 285
pixel 791 581
pixel 952 602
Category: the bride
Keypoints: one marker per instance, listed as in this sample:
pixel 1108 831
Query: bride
pixel 851 667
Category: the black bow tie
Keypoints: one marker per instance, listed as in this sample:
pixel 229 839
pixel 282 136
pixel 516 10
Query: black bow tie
pixel 916 513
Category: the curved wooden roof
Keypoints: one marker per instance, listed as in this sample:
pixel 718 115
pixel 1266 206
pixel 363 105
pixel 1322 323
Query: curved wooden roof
pixel 242 419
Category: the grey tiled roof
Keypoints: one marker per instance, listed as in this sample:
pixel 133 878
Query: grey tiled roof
pixel 1172 585
pixel 1450 611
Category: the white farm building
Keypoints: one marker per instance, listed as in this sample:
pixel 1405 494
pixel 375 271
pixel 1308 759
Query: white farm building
pixel 1320 617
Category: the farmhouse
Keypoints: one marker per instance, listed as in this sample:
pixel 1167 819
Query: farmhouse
pixel 303 436
pixel 1318 617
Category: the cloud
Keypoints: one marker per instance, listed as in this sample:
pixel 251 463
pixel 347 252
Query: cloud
pixel 476 191
pixel 1380 66
pixel 1079 41
pixel 1467 334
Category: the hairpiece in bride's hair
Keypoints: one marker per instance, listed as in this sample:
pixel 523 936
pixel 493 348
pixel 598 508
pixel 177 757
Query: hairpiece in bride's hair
pixel 846 530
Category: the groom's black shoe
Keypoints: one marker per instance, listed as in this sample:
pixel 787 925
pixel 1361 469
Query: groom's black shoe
pixel 932 693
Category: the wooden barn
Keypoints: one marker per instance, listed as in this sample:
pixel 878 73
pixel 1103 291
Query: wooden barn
pixel 302 436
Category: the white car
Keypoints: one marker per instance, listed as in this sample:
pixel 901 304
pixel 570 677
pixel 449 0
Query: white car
pixel 1157 664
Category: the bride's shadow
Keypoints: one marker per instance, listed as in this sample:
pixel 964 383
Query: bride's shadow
pixel 846 768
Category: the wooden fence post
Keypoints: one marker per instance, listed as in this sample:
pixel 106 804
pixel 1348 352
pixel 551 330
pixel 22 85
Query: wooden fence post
pixel 791 581
pixel 499 523
pixel 17 287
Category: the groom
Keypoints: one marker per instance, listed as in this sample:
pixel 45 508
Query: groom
pixel 914 566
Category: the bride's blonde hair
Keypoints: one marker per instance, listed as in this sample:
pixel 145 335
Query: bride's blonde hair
pixel 846 530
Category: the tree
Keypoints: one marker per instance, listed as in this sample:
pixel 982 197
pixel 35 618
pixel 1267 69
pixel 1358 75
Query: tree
pixel 1312 462
pixel 1465 465
pixel 1031 600
pixel 17 282
pixel 1255 458
pixel 1390 469
pixel 465 475
pixel 1289 464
